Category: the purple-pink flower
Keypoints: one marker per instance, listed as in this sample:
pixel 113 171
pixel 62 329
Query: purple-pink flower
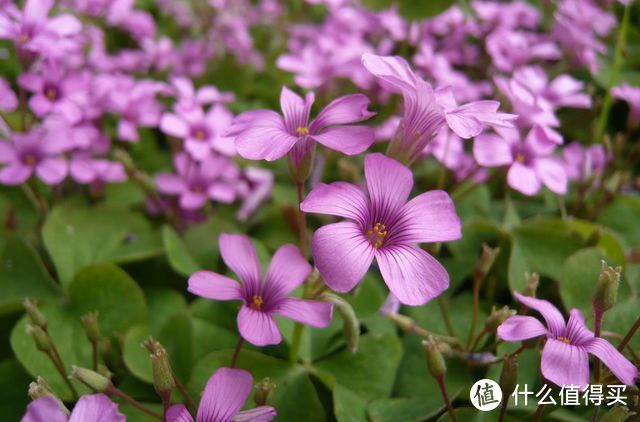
pixel 223 397
pixel 581 163
pixel 531 163
pixel 630 94
pixel 261 300
pixel 93 407
pixel 265 135
pixel 565 359
pixel 385 226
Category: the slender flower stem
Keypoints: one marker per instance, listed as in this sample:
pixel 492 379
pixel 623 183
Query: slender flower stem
pixel 94 351
pixel 63 373
pixel 538 415
pixel 445 397
pixel 477 281
pixel 236 352
pixel 117 393
pixel 295 342
pixel 410 326
pixel 597 327
pixel 615 69
pixel 503 408
pixel 474 345
pixel 629 335
pixel 302 219
pixel 185 393
pixel 445 316
pixel 22 98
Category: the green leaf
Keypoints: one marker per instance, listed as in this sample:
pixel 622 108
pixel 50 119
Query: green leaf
pixel 421 9
pixel 163 303
pixel 622 217
pixel 621 318
pixel 201 240
pixel 110 291
pixel 77 237
pixel 579 278
pixel 23 275
pixel 68 335
pixel 402 409
pixel 179 257
pixel 14 384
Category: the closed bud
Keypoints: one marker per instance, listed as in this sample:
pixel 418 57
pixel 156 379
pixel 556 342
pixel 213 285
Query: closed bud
pixel 483 266
pixel 91 379
pixel 497 317
pixel 263 391
pixel 509 375
pixel 104 371
pixel 300 160
pixel 90 322
pixel 41 338
pixel 163 380
pixel 435 361
pixel 40 388
pixel 150 344
pixel 350 322
pixel 606 292
pixel 532 285
pixel 34 313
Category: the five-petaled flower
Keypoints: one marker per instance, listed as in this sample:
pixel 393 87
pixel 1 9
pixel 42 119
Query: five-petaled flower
pixel 565 359
pixel 261 300
pixel 385 226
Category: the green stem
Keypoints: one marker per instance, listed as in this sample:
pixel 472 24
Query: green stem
pixel 63 373
pixel 445 397
pixel 295 343
pixel 115 392
pixel 629 335
pixel 445 316
pixel 477 281
pixel 302 220
pixel 236 352
pixel 615 69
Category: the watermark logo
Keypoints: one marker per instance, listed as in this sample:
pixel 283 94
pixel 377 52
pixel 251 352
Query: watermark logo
pixel 485 395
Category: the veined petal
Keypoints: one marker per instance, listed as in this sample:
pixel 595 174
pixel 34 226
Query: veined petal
pixel 521 327
pixel 565 364
pixel 348 140
pixel 339 198
pixel 264 143
pixel 295 109
pixel 96 408
pixel 44 409
pixel 343 110
pixel 224 395
pixel 178 413
pixel 240 255
pixel 214 286
pixel 257 414
pixel 257 327
pixel 551 314
pixel 412 275
pixel 393 70
pixel 309 312
pixel 429 217
pixel 620 366
pixel 287 270
pixel 491 150
pixel 388 181
pixel 342 254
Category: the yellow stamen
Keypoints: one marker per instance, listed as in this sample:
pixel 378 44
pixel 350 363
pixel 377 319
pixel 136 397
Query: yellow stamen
pixel 302 130
pixel 51 94
pixel 564 340
pixel 199 135
pixel 520 158
pixel 30 160
pixel 24 38
pixel 257 302
pixel 377 234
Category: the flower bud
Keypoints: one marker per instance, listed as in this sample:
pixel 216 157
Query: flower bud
pixel 300 160
pixel 163 380
pixel 91 379
pixel 509 374
pixel 607 288
pixel 34 313
pixel 483 266
pixel 104 371
pixel 497 317
pixel 39 388
pixel 350 322
pixel 42 339
pixel 435 361
pixel 532 285
pixel 90 322
pixel 263 391
pixel 150 344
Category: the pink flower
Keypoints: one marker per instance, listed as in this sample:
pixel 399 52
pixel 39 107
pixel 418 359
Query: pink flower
pixel 510 49
pixel 565 359
pixel 530 161
pixel 8 98
pixel 631 95
pixel 384 225
pixel 93 407
pixel 265 135
pixel 261 300
pixel 97 171
pixel 213 178
pixel 581 163
pixel 223 397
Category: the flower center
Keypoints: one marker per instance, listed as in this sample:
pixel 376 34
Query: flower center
pixel 257 302
pixel 30 160
pixel 199 135
pixel 23 38
pixel 521 158
pixel 564 340
pixel 377 234
pixel 51 93
pixel 302 130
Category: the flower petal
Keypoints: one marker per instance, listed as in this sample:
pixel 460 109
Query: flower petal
pixel 295 109
pixel 190 200
pixel 178 413
pixel 257 327
pixel 97 408
pixel 429 217
pixel 339 198
pixel 619 365
pixel 287 270
pixel 552 174
pixel 52 170
pixel 492 151
pixel 551 314
pixel 174 125
pixel 343 110
pixel 412 275
pixel 264 143
pixel 523 179
pixel 348 140
pixel 521 327
pixel 44 409
pixel 225 394
pixel 309 312
pixel 214 286
pixel 15 173
pixel 342 254
pixel 170 184
pixel 393 70
pixel 240 255
pixel 565 364
pixel 257 414
pixel 388 181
